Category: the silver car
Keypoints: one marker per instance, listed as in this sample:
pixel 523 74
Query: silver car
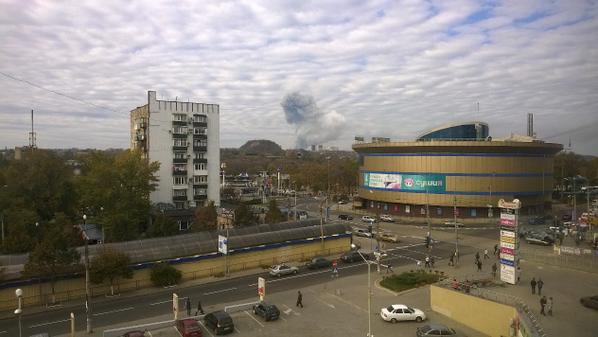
pixel 283 269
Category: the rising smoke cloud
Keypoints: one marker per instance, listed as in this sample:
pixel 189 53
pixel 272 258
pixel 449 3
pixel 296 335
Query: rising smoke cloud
pixel 312 125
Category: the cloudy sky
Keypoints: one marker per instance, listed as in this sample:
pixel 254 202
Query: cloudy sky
pixel 368 68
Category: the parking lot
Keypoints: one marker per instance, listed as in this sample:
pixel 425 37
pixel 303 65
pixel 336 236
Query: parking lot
pixel 337 308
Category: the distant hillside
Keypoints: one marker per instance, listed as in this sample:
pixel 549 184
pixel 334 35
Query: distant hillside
pixel 261 147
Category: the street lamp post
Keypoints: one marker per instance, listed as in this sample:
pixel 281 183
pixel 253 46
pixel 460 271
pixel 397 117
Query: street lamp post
pixel 19 310
pixel 369 291
pixel 322 222
pixel 87 293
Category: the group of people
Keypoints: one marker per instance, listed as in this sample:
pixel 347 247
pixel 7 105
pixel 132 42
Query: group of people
pixel 545 304
pixel 188 307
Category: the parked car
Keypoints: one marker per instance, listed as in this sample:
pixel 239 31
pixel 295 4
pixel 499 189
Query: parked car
pixel 400 312
pixel 452 224
pixel 353 256
pixel 220 322
pixel 385 236
pixel 386 217
pixel 283 269
pixel 362 232
pixel 539 239
pixel 368 219
pixel 345 217
pixel 435 330
pixel 319 262
pixel 269 312
pixel 590 302
pixel 342 202
pixel 186 327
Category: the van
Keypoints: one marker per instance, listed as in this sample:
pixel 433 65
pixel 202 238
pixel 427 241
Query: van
pixel 220 322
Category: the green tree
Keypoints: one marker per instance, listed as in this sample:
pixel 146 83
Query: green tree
pixel 120 184
pixel 274 215
pixel 206 218
pixel 244 216
pixel 110 266
pixel 20 230
pixel 51 258
pixel 162 226
pixel 162 275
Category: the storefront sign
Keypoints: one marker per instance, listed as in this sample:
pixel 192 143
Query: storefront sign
pixel 507 245
pixel 506 250
pixel 510 263
pixel 507 233
pixel 515 204
pixel 507 274
pixel 507 216
pixel 405 182
pixel 508 239
pixel 507 223
pixel 509 257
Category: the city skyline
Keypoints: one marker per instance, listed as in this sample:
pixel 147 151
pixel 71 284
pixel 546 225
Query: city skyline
pixel 373 69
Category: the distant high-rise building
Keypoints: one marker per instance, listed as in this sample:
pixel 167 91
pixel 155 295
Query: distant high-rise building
pixel 184 137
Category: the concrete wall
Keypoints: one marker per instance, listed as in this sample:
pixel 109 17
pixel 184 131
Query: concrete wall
pixel 75 288
pixel 490 318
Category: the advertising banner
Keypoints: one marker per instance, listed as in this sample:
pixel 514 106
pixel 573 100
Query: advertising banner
pixel 261 288
pixel 222 244
pixel 507 245
pixel 507 216
pixel 405 182
pixel 509 239
pixel 507 257
pixel 508 262
pixel 509 251
pixel 507 223
pixel 507 274
pixel 507 233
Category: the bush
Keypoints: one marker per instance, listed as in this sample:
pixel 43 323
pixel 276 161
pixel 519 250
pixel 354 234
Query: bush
pixel 409 280
pixel 163 274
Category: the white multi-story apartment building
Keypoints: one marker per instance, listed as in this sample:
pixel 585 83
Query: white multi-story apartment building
pixel 184 137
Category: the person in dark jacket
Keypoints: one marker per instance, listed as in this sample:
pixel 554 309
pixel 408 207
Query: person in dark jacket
pixel 299 299
pixel 540 285
pixel 542 305
pixel 533 284
pixel 188 306
pixel 199 308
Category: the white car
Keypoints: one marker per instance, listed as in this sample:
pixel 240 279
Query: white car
pixel 367 218
pixel 362 232
pixel 386 217
pixel 283 269
pixel 400 312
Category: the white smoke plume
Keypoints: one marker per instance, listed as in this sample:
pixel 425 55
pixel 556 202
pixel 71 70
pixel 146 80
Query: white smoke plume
pixel 312 125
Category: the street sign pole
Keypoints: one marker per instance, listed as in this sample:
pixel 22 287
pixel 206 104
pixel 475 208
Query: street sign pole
pixel 261 288
pixel 175 305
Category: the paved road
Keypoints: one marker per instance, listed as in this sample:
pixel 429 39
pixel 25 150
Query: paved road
pixel 130 308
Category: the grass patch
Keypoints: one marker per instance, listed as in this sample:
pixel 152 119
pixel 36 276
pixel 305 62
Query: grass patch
pixel 408 280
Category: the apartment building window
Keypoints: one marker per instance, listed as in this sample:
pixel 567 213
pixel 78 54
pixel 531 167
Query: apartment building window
pixel 181 130
pixel 179 168
pixel 200 191
pixel 183 225
pixel 199 131
pixel 179 180
pixel 179 117
pixel 200 166
pixel 200 179
pixel 199 155
pixel 179 142
pixel 180 155
pixel 179 193
pixel 179 204
pixel 200 142
pixel 200 119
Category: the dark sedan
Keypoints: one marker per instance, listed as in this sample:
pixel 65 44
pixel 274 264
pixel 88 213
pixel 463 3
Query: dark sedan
pixel 269 312
pixel 590 302
pixel 353 256
pixel 319 262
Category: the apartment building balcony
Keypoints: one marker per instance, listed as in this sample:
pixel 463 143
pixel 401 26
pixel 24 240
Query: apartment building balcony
pixel 200 136
pixel 181 123
pixel 200 160
pixel 200 148
pixel 180 135
pixel 180 160
pixel 200 185
pixel 180 147
pixel 179 198
pixel 179 172
pixel 200 197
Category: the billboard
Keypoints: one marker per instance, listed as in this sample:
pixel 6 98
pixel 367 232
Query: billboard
pixel 405 182
pixel 222 244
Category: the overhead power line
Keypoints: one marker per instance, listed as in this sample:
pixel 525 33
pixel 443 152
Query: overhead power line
pixel 57 92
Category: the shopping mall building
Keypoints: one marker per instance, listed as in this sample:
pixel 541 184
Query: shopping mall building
pixel 456 165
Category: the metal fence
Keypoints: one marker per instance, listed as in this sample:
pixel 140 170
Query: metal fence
pixel 78 294
pixel 529 321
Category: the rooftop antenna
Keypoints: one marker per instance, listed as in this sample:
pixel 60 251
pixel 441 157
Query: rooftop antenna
pixel 32 135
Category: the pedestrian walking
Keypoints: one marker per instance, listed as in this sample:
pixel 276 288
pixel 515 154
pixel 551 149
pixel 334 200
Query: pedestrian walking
pixel 549 306
pixel 199 308
pixel 452 260
pixel 432 260
pixel 486 256
pixel 188 306
pixel 419 264
pixel 533 284
pixel 427 265
pixel 494 268
pixel 540 285
pixel 299 299
pixel 477 255
pixel 542 305
pixel 479 264
pixel 389 268
pixel 495 249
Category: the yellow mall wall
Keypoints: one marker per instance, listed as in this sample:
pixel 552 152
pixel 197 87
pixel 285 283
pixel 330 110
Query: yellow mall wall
pixel 71 289
pixel 490 318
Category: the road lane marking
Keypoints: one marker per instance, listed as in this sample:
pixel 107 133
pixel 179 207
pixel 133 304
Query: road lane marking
pixel 48 323
pixel 204 327
pixel 113 311
pixel 284 319
pixel 161 302
pixel 321 300
pixel 348 302
pixel 253 318
pixel 219 291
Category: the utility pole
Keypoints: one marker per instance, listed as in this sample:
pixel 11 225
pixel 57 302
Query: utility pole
pixel 456 229
pixel 87 293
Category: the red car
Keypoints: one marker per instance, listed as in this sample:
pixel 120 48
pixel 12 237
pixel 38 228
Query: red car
pixel 188 328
